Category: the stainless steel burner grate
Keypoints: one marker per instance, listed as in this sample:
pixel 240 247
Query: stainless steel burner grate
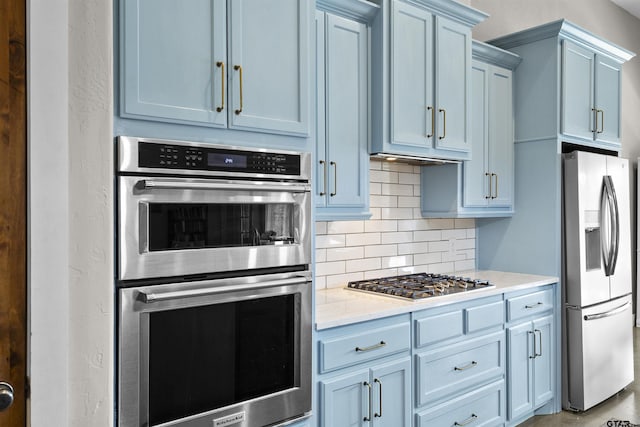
pixel 419 285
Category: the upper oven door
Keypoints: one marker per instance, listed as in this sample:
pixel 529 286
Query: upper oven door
pixel 181 227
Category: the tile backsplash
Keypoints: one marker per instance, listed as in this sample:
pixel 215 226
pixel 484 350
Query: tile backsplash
pixel 397 239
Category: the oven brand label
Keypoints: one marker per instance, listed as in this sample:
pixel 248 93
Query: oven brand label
pixel 229 420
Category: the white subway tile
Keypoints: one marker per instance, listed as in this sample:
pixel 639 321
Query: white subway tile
pixel 469 253
pixel 471 233
pixel 383 176
pixel 362 239
pixel 320 282
pixel 397 167
pixel 375 215
pixel 428 258
pixel 464 265
pixel 375 164
pixel 440 223
pixel 327 268
pixel 441 246
pixel 396 213
pixel 454 234
pixel 397 261
pixel 341 280
pixel 417 213
pixel 363 265
pixel 396 189
pixel 442 268
pixel 341 254
pixel 330 241
pixel 375 188
pixel 337 227
pixel 465 244
pixel 408 178
pixel 397 237
pixel 465 223
pixel 321 255
pixel 409 202
pixel 412 248
pixel 427 235
pixel 380 251
pixel 452 256
pixel 383 201
pixel 321 227
pixel 380 226
pixel 376 274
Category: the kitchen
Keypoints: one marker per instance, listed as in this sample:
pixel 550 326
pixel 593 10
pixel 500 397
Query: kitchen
pixel 80 361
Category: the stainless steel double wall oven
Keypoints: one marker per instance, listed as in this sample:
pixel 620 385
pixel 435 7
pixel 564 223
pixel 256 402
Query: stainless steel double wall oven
pixel 213 285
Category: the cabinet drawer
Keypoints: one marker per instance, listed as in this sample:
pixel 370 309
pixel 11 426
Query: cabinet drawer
pixel 432 329
pixel 451 370
pixel 526 305
pixel 483 317
pixel 484 407
pixel 357 348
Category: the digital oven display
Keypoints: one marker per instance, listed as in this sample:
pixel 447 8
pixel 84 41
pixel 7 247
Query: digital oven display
pixel 225 160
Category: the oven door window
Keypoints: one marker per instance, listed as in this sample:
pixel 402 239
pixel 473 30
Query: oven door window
pixel 196 226
pixel 208 357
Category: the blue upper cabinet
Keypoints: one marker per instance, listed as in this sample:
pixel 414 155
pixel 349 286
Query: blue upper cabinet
pixel 421 79
pixel 483 186
pixel 240 64
pixel 574 81
pixel 342 127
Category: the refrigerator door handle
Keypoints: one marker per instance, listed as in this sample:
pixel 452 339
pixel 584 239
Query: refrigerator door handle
pixel 607 235
pixel 615 219
pixel 609 313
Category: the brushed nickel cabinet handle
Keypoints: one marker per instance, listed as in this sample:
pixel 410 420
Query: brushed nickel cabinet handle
pixel 534 344
pixel 469 420
pixel 379 415
pixel 324 177
pixel 601 121
pixel 371 347
pixel 535 353
pixel 495 187
pixel 467 366
pixel 595 120
pixel 220 64
pixel 366 384
pixel 444 123
pixel 533 305
pixel 433 120
pixel 239 69
pixel 335 178
pixel 488 196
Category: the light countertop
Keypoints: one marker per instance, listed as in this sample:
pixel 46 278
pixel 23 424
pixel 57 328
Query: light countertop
pixel 340 306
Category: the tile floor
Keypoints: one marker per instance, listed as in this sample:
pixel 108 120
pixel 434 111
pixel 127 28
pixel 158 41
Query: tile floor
pixel 623 406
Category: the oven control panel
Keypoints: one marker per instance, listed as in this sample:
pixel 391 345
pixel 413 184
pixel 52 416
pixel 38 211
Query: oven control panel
pixel 202 158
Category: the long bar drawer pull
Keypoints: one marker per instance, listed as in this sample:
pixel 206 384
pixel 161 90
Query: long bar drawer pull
pixel 469 420
pixel 372 347
pixel 533 305
pixel 368 418
pixel 467 366
pixel 375 414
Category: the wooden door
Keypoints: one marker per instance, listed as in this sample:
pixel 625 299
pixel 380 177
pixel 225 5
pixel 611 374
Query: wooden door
pixel 13 209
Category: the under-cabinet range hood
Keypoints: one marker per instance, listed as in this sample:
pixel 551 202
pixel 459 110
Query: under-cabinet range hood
pixel 414 160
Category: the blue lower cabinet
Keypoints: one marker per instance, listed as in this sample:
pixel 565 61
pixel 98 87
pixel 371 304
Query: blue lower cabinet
pixel 482 407
pixel 378 396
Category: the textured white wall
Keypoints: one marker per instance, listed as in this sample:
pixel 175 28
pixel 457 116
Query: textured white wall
pixel 396 240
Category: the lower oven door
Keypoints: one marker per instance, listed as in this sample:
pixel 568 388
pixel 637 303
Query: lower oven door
pixel 230 352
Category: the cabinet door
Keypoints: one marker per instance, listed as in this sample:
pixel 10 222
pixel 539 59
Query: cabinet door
pixel 392 394
pixel 608 77
pixel 476 182
pixel 520 370
pixel 500 137
pixel 169 55
pixel 346 111
pixel 577 91
pixel 412 112
pixel 543 372
pixel 321 166
pixel 453 60
pixel 345 400
pixel 269 40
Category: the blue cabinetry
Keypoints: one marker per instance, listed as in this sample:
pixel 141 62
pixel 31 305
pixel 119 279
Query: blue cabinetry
pixel 365 374
pixel 421 68
pixel 484 185
pixel 342 127
pixel 241 64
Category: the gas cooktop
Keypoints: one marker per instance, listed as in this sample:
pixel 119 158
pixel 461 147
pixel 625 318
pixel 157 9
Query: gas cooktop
pixel 420 285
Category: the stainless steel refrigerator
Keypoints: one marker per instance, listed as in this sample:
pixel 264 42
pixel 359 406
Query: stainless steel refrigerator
pixel 598 335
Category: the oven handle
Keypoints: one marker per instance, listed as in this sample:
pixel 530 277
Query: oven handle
pixel 151 297
pixel 151 184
